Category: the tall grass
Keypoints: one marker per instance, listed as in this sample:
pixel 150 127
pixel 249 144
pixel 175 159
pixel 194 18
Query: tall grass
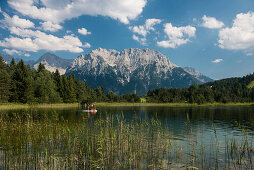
pixel 35 140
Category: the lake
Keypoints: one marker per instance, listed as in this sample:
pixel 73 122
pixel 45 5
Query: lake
pixel 128 138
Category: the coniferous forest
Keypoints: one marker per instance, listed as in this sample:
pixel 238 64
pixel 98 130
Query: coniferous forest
pixel 221 91
pixel 21 84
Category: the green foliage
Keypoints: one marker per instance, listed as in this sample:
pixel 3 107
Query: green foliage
pixel 21 84
pixel 223 91
pixel 251 84
pixel 4 81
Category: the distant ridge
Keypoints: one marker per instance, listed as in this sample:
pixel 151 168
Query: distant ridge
pixel 197 75
pixel 53 62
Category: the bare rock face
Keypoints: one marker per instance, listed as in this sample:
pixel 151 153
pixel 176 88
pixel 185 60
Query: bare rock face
pixel 197 75
pixel 131 70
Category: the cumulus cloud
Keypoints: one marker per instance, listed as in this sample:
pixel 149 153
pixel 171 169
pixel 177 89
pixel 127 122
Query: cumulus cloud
pixel 84 31
pixel 15 21
pixel 143 30
pixel 217 60
pixel 27 55
pixel 49 26
pixel 12 51
pixel 87 45
pixel 58 11
pixel 139 30
pixel 211 22
pixel 177 35
pixel 241 35
pixel 29 40
pixel 140 40
pixel 150 23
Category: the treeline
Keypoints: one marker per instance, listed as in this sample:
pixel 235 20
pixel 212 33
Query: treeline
pixel 222 91
pixel 21 84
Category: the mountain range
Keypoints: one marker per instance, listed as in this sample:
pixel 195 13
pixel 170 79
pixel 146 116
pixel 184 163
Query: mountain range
pixel 132 70
pixel 129 71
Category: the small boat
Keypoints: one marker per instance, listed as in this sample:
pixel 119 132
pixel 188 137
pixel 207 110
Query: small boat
pixel 93 110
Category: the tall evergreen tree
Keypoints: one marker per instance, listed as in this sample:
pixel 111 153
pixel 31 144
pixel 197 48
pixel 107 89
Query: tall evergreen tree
pixel 46 91
pixel 72 98
pixel 4 81
pixel 21 89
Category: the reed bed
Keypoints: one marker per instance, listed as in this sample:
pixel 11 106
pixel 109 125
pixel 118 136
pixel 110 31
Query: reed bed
pixel 33 140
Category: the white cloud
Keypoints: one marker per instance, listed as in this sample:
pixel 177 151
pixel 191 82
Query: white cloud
pixel 15 21
pixel 241 35
pixel 140 40
pixel 211 22
pixel 58 11
pixel 49 26
pixel 36 40
pixel 87 45
pixel 27 55
pixel 150 23
pixel 177 35
pixel 12 51
pixel 143 30
pixel 172 43
pixel 84 31
pixel 139 30
pixel 217 60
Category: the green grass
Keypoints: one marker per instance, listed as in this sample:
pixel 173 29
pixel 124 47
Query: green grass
pixel 174 104
pixel 9 106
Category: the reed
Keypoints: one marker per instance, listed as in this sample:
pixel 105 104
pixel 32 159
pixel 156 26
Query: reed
pixel 35 140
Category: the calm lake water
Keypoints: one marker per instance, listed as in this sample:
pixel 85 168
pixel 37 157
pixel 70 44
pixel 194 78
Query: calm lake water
pixel 128 138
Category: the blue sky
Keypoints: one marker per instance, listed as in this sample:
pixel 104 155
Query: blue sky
pixel 214 36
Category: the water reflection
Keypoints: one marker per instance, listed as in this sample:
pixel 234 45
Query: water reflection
pixel 127 137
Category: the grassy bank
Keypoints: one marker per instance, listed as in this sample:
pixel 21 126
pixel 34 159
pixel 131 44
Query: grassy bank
pixel 175 104
pixel 7 106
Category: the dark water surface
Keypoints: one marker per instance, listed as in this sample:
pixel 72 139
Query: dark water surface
pixel 128 138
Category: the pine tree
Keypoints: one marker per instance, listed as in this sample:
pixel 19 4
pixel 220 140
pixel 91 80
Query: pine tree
pixel 22 89
pixel 41 68
pixel 46 90
pixel 72 98
pixel 4 81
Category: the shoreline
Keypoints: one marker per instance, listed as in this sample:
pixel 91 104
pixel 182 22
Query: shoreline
pixel 175 104
pixel 13 106
pixel 10 106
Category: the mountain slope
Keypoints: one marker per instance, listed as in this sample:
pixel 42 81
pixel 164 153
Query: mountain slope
pixel 53 62
pixel 197 75
pixel 128 71
pixel 8 58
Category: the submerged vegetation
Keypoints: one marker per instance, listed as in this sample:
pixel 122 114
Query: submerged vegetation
pixel 50 140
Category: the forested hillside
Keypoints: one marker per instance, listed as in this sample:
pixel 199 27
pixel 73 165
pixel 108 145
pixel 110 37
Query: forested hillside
pixel 21 84
pixel 223 91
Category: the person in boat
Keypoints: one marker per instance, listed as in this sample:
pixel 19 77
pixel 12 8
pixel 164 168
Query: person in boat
pixel 87 105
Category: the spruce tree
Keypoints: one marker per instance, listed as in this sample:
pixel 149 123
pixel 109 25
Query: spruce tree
pixel 72 98
pixel 4 81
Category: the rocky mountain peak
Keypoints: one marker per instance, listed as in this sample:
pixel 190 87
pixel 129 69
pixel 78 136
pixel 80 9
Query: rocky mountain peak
pixel 130 70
